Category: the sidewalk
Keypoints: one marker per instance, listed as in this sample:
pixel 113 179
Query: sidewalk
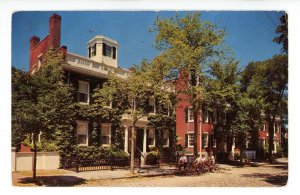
pixel 70 178
pixel 120 174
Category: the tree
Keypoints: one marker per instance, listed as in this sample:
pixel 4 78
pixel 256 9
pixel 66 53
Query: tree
pixel 187 46
pixel 267 81
pixel 43 103
pixel 222 98
pixel 282 30
pixel 275 87
pixel 132 96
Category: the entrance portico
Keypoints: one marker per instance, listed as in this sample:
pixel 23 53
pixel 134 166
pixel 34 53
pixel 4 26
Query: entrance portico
pixel 141 138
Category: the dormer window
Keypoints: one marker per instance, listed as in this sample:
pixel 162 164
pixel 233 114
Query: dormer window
pixel 109 51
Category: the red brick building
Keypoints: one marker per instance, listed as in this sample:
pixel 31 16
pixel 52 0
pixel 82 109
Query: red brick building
pixel 86 72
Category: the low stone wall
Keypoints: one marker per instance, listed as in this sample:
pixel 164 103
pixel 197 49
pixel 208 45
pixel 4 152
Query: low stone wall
pixel 23 161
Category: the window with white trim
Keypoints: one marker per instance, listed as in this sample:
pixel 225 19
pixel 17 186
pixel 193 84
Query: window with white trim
pixel 151 137
pixel 82 132
pixel 204 140
pixel 205 114
pixel 165 138
pixel 152 104
pixel 190 139
pixel 190 115
pixel 83 92
pixel 105 134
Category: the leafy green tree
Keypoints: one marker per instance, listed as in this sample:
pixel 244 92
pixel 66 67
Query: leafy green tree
pixel 222 98
pixel 131 96
pixel 42 103
pixel 267 82
pixel 275 92
pixel 187 46
pixel 282 30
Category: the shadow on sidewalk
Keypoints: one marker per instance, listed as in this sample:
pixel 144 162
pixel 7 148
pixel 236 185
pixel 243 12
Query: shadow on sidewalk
pixel 278 179
pixel 59 180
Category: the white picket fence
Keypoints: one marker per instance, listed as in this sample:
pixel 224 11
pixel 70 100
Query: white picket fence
pixel 23 161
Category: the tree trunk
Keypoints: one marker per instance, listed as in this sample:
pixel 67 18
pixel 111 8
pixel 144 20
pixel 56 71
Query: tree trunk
pixel 34 157
pixel 132 149
pixel 271 137
pixel 196 130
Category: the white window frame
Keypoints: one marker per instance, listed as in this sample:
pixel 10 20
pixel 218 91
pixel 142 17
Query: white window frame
pixel 166 145
pixel 153 101
pixel 109 134
pixel 189 144
pixel 88 94
pixel 207 137
pixel 206 113
pixel 190 111
pixel 87 132
pixel 153 136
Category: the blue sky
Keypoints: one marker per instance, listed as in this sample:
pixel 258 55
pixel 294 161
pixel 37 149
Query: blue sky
pixel 249 34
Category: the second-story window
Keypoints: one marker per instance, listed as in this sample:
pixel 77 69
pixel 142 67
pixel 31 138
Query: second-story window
pixel 83 92
pixel 190 115
pixel 152 105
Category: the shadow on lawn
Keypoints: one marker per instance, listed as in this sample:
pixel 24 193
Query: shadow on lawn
pixel 53 180
pixel 279 179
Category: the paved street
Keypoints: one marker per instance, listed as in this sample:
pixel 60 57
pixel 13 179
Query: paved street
pixel 267 175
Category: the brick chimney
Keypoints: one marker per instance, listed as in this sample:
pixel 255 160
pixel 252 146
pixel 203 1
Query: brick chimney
pixel 54 31
pixel 34 41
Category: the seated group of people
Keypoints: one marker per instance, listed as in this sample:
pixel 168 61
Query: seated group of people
pixel 198 163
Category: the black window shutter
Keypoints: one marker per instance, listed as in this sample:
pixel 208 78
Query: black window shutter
pixel 186 140
pixel 89 52
pixel 104 49
pixel 114 52
pixel 186 114
pixel 95 48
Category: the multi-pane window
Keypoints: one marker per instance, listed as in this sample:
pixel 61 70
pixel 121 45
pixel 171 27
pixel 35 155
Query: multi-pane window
pixel 190 139
pixel 152 104
pixel 205 114
pixel 165 138
pixel 83 92
pixel 151 137
pixel 190 115
pixel 165 109
pixel 105 134
pixel 204 140
pixel 109 51
pixel 82 133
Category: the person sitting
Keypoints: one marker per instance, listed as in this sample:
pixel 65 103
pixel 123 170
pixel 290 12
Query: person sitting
pixel 182 162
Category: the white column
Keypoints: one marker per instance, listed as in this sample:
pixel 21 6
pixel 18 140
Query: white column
pixel 126 139
pixel 145 140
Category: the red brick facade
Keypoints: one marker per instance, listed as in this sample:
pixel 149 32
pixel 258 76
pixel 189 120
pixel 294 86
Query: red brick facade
pixel 51 41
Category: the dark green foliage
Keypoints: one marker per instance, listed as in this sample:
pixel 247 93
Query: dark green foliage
pixel 282 30
pixel 95 152
pixel 161 123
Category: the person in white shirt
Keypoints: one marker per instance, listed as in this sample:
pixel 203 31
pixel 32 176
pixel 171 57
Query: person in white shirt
pixel 182 162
